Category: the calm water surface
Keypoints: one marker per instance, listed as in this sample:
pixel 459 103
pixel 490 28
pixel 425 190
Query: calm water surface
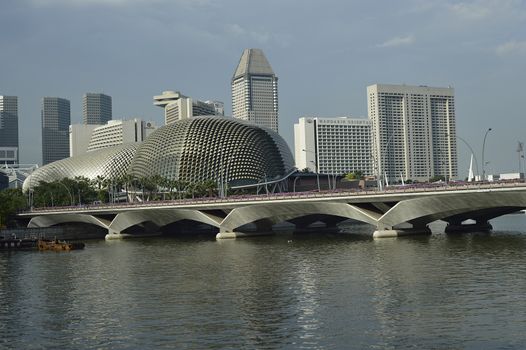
pixel 314 291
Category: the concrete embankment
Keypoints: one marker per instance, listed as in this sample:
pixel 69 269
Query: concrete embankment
pixel 68 232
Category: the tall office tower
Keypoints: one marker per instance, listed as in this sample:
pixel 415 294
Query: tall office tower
pixel 333 145
pixel 414 133
pixel 255 90
pixel 8 129
pixel 177 106
pixel 56 119
pixel 96 108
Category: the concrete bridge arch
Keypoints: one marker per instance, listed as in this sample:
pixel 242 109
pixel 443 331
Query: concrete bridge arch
pixel 280 212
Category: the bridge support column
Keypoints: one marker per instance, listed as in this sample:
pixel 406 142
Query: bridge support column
pixel 398 232
pixel 119 235
pixel 263 228
pixel 116 235
pixel 478 226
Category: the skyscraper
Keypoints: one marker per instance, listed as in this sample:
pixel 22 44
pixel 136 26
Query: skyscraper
pixel 9 130
pixel 56 119
pixel 96 108
pixel 414 132
pixel 255 90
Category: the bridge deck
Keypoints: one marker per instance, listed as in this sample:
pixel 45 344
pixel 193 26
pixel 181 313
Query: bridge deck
pixel 394 194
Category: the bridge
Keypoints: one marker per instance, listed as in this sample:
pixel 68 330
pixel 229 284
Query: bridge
pixel 394 212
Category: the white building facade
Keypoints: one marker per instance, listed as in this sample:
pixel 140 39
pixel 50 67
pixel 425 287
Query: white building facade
pixel 414 131
pixel 255 90
pixel 86 138
pixel 177 106
pixel 333 145
pixel 119 132
pixel 79 138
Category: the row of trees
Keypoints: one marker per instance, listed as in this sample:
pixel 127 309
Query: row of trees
pixel 81 190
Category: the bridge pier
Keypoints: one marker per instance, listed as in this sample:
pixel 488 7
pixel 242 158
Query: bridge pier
pixel 399 232
pixel 263 228
pixel 478 226
pixel 236 234
pixel 112 234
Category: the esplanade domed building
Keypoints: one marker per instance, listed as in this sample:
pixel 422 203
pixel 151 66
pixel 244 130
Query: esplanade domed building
pixel 193 150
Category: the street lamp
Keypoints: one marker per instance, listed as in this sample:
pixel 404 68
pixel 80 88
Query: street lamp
pixel 69 192
pixel 483 147
pixel 472 152
pixel 381 172
pixel 315 166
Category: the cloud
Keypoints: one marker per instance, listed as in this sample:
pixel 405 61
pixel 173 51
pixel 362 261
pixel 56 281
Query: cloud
pixel 470 11
pixel 488 10
pixel 186 3
pixel 511 47
pixel 236 30
pixel 398 41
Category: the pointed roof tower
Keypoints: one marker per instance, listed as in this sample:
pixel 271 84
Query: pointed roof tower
pixel 253 61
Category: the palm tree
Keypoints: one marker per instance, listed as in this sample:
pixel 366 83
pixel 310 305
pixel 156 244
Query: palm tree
pixel 99 181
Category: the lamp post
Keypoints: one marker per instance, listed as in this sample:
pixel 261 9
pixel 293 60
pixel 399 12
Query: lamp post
pixel 315 166
pixel 483 148
pixel 381 160
pixel 472 152
pixel 69 192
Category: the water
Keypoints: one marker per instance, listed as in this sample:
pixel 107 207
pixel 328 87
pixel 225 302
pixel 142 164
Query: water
pixel 315 291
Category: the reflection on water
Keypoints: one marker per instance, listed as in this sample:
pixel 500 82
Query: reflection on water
pixel 311 291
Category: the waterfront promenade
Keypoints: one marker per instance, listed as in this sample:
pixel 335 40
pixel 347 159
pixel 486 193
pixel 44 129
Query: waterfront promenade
pixel 394 211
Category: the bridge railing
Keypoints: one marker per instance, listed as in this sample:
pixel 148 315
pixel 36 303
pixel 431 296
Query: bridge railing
pixel 286 195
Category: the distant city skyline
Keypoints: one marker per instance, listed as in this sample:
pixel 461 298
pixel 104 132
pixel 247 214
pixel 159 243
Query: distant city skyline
pixel 324 59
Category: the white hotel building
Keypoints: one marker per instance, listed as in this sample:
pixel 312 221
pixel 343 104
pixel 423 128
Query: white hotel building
pixel 177 106
pixel 333 145
pixel 414 132
pixel 86 138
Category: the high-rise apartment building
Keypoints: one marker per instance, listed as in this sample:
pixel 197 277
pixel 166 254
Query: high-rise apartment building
pixel 333 145
pixel 177 106
pixel 96 108
pixel 255 90
pixel 8 130
pixel 414 132
pixel 56 119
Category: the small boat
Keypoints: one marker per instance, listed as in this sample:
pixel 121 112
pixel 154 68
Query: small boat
pixel 58 246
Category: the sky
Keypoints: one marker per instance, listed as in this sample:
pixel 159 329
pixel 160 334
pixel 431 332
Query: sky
pixel 325 54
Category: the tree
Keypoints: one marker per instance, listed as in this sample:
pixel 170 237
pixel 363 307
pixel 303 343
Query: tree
pixel 437 178
pixel 11 201
pixel 355 175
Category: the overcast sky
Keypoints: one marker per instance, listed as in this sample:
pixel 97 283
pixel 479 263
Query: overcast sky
pixel 325 53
